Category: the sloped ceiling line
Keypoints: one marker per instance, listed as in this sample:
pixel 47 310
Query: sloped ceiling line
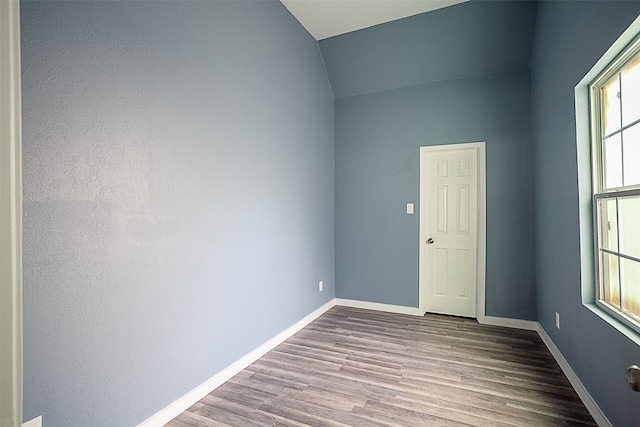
pixel 328 18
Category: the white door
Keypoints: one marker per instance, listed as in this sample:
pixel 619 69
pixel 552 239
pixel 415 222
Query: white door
pixel 449 229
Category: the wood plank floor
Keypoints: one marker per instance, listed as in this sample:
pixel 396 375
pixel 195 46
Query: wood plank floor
pixel 353 367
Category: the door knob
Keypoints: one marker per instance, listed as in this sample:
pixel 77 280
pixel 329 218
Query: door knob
pixel 429 240
pixel 633 377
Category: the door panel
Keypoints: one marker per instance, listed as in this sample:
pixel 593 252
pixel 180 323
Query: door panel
pixel 449 228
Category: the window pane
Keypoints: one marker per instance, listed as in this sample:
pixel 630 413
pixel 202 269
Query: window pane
pixel 611 106
pixel 610 286
pixel 629 217
pixel 612 161
pixel 608 224
pixel 630 286
pixel 630 83
pixel 631 155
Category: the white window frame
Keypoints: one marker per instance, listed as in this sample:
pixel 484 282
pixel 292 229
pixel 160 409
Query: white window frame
pixel 628 54
pixel 11 406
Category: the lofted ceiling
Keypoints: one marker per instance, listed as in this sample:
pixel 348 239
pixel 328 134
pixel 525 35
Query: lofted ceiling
pixel 328 18
pixel 471 39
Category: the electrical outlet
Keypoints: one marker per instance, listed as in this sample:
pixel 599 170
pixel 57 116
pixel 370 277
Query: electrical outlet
pixel 557 320
pixel 320 286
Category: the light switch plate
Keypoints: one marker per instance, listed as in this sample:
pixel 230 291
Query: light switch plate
pixel 409 208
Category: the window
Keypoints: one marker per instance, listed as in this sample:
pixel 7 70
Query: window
pixel 615 123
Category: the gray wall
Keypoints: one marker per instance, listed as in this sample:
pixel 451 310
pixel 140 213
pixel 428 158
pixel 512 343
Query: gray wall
pixel 377 168
pixel 459 74
pixel 570 38
pixel 462 41
pixel 179 194
pixel 178 197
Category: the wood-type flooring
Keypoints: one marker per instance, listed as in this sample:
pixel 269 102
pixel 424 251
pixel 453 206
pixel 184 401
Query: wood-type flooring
pixel 354 367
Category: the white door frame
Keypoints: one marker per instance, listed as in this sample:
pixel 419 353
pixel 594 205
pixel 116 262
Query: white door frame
pixel 10 216
pixel 482 226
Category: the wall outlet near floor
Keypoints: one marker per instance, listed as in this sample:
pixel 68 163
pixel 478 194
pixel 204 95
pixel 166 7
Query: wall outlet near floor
pixel 557 320
pixel 320 286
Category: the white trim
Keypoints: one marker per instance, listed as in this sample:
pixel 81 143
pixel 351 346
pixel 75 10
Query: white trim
pixel 399 309
pixel 587 183
pixel 455 146
pixel 182 404
pixel 584 395
pixel 10 216
pixel 528 325
pixel 36 422
pixel 482 225
pixel 186 401
pixel 482 231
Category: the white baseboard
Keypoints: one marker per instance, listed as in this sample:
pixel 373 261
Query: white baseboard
pixel 528 325
pixel 400 309
pixel 36 422
pixel 584 395
pixel 186 401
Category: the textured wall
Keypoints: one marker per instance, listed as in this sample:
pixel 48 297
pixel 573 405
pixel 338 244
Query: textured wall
pixel 570 38
pixel 178 197
pixel 377 169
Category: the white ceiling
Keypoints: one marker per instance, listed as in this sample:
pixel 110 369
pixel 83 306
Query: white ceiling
pixel 328 18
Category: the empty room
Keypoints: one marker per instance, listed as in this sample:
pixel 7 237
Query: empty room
pixel 313 212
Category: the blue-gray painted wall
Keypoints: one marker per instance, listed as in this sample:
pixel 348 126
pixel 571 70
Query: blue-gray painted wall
pixel 466 40
pixel 570 38
pixel 178 197
pixel 377 142
pixel 459 74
